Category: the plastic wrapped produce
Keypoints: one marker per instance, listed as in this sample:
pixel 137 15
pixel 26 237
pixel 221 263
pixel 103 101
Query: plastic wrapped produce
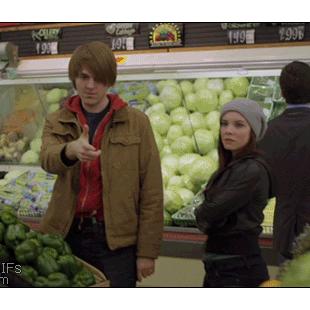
pixel 185 217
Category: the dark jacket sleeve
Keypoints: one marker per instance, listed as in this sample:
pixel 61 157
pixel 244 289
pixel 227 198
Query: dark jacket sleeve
pixel 226 199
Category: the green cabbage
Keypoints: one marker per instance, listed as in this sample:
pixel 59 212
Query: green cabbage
pixel 238 85
pixel 187 127
pixel 30 157
pixel 200 84
pixel 190 100
pixel 172 201
pixel 65 93
pixel 160 122
pixel 170 97
pixel 35 145
pixel 175 181
pixel 188 183
pixel 167 219
pixel 206 101
pixel 194 121
pixel 166 175
pixel 225 97
pixel 201 170
pixel 216 85
pixel 198 121
pixel 162 84
pixel 212 120
pixel 216 136
pixel 152 99
pixel 54 95
pixel 186 195
pixel 213 154
pixel 182 145
pixel 171 82
pixel 174 132
pixel 53 107
pixel 178 115
pixel 187 87
pixel 156 108
pixel 171 163
pixel 204 140
pixel 166 150
pixel 186 161
pixel 159 140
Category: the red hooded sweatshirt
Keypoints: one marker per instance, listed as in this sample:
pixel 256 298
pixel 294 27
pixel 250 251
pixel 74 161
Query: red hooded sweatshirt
pixel 90 196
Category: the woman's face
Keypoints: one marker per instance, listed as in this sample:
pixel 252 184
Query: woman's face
pixel 235 132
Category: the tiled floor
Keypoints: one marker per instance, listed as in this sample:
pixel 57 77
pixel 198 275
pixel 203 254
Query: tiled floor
pixel 181 272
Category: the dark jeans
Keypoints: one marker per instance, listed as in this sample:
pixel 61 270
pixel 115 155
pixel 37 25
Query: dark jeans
pixel 89 243
pixel 237 272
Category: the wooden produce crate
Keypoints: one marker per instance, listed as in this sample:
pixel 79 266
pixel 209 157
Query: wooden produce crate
pixel 16 281
pixel 101 280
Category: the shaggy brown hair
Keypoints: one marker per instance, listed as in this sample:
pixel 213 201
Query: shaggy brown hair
pixel 98 58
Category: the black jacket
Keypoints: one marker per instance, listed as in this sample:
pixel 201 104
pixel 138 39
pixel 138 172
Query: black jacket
pixel 232 212
pixel 287 150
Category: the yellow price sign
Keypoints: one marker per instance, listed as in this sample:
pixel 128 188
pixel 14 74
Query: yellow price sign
pixel 120 60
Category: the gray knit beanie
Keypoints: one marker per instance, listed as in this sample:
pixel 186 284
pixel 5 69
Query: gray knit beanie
pixel 251 111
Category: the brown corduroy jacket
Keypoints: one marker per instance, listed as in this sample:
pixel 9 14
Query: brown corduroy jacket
pixel 131 178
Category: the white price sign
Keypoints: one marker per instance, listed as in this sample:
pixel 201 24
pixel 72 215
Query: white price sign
pixel 47 48
pixel 122 43
pixel 241 36
pixel 292 33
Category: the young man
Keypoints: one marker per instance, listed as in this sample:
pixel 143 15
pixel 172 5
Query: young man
pixel 108 197
pixel 287 149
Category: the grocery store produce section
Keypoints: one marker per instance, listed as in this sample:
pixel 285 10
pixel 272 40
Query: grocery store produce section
pixel 184 115
pixel 181 93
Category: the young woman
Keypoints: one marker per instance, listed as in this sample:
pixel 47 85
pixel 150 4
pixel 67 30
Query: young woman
pixel 235 197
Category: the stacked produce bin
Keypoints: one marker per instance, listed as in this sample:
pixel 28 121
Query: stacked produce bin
pixel 32 259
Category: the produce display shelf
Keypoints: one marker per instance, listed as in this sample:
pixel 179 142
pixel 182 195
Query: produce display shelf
pixel 10 166
pixel 186 242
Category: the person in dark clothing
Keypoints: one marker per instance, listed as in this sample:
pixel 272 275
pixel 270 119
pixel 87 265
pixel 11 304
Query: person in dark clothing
pixel 287 150
pixel 235 197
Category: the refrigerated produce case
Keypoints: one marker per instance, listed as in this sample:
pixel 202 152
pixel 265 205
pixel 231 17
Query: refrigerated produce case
pixel 146 81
